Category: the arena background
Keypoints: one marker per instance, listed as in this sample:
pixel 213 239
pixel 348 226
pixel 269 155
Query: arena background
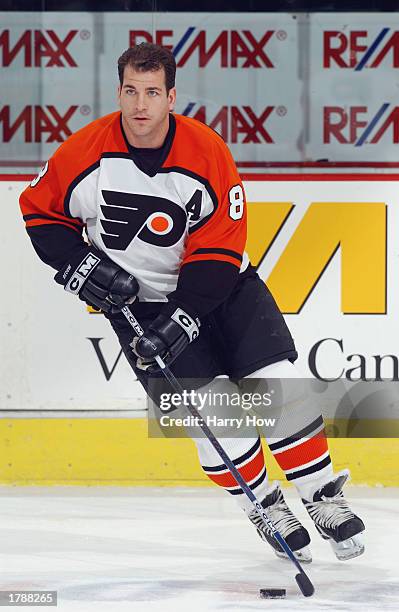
pixel 308 105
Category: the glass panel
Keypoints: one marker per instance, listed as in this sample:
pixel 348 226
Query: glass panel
pixel 287 90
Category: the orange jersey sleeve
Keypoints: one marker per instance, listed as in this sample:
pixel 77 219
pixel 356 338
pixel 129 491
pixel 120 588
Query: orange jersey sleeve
pixel 52 228
pixel 46 199
pixel 42 202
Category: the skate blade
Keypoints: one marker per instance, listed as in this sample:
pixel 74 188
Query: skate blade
pixel 303 555
pixel 348 549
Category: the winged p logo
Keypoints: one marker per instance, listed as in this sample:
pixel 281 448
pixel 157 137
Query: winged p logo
pixel 154 220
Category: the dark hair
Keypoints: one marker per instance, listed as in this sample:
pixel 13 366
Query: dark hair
pixel 147 57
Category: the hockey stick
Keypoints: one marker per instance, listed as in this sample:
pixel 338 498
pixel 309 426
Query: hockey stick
pixel 301 578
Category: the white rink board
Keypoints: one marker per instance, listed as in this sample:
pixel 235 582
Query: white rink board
pixel 49 363
pixel 321 316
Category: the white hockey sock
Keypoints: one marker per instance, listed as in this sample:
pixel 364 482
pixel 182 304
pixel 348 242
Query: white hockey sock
pixel 298 442
pixel 247 455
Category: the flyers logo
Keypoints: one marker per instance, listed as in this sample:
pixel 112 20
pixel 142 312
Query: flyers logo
pixel 157 221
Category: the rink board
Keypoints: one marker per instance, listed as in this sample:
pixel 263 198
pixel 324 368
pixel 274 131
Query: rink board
pixel 339 309
pixel 119 452
pixel 340 304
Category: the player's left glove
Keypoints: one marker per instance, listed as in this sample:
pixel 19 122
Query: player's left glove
pixel 167 336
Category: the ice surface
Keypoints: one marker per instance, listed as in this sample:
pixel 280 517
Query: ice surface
pixel 165 549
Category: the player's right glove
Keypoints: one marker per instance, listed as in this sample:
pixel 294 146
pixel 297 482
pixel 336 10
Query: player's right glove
pixel 94 277
pixel 167 336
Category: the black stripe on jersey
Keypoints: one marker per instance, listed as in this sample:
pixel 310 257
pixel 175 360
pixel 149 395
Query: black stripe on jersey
pixel 309 470
pixel 244 457
pixel 55 219
pixel 74 184
pixel 300 434
pixel 219 251
pixel 120 155
pixel 201 180
pixel 251 486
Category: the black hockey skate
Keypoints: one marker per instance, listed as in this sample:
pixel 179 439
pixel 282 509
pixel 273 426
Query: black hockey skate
pixel 286 523
pixel 334 519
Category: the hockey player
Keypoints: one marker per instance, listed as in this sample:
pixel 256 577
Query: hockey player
pixel 164 211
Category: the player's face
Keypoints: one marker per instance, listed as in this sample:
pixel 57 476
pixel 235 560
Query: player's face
pixel 145 107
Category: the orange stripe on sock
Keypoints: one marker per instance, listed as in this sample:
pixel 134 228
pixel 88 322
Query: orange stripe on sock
pixel 303 453
pixel 249 471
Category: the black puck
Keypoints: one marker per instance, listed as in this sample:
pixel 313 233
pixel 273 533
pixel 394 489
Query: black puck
pixel 272 593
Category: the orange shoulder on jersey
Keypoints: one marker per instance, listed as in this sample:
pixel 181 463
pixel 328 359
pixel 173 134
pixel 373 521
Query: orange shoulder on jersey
pixel 198 149
pixel 44 202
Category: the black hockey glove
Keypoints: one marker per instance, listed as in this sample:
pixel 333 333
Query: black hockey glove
pixel 167 336
pixel 94 277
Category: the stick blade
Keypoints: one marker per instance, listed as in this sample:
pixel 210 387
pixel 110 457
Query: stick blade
pixel 304 584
